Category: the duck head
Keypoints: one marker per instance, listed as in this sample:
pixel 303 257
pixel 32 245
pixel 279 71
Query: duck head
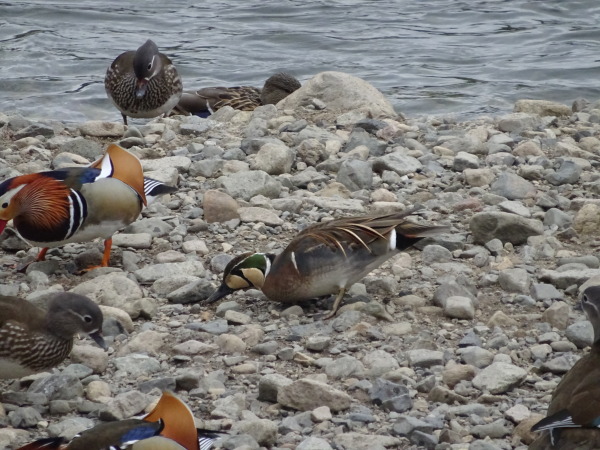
pixel 146 65
pixel 245 271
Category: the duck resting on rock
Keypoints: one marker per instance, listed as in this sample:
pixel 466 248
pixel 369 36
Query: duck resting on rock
pixel 206 101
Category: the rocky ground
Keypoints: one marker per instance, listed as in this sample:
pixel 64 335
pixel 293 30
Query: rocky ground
pixel 455 345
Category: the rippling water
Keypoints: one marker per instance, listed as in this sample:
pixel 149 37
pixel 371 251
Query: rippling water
pixel 428 56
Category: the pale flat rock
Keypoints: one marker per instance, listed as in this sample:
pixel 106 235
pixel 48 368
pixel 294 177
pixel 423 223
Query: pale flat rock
pixel 307 394
pixel 542 108
pixel 98 128
pixel 587 220
pixel 564 279
pixel 167 175
pixel 138 240
pixel 507 227
pixel 256 214
pixel 181 163
pixel 499 378
pixel 150 274
pixel 360 441
pixel 340 92
pixel 249 183
pixel 341 204
pixel 112 289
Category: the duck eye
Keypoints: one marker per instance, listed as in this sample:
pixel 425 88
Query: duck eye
pixel 5 205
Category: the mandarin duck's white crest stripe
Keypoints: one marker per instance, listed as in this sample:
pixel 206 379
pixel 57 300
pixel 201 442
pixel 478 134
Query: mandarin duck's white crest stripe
pixel 169 426
pixel 118 163
pixel 78 204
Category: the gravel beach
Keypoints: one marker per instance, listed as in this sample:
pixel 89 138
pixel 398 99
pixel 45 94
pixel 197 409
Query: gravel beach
pixel 456 344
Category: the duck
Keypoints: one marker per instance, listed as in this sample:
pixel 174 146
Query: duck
pixel 78 204
pixel 573 416
pixel 34 340
pixel 143 83
pixel 206 101
pixel 325 258
pixel 169 426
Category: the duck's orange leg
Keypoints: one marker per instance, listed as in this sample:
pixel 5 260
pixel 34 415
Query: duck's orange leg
pixel 105 256
pixel 42 254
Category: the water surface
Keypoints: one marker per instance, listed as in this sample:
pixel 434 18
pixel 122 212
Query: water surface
pixel 439 57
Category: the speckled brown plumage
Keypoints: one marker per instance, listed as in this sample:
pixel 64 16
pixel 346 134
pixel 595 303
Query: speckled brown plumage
pixel 33 340
pixel 206 101
pixel 143 83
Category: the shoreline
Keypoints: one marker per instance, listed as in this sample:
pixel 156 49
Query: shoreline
pixel 473 330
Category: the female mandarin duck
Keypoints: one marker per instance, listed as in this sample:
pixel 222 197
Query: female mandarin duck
pixel 143 83
pixel 78 204
pixel 324 259
pixel 206 101
pixel 574 412
pixel 33 340
pixel 169 426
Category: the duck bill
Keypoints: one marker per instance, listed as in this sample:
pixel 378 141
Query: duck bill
pixel 3 225
pixel 98 339
pixel 140 87
pixel 223 291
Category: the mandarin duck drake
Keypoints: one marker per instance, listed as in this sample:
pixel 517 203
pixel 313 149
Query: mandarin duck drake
pixel 78 204
pixel 169 426
pixel 206 101
pixel 143 83
pixel 573 418
pixel 325 258
pixel 33 340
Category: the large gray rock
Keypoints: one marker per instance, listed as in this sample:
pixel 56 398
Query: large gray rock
pixel 340 92
pixel 313 443
pixel 274 159
pixel 507 227
pixel 397 162
pixel 111 289
pixel 587 220
pixel 564 279
pixel 98 128
pixel 149 274
pixel 83 147
pixel 219 206
pixel 512 186
pixel 515 280
pixel 306 394
pixel 249 184
pixel 542 108
pixel 464 160
pixel 499 377
pixel 568 172
pixel 180 163
pixel 355 174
